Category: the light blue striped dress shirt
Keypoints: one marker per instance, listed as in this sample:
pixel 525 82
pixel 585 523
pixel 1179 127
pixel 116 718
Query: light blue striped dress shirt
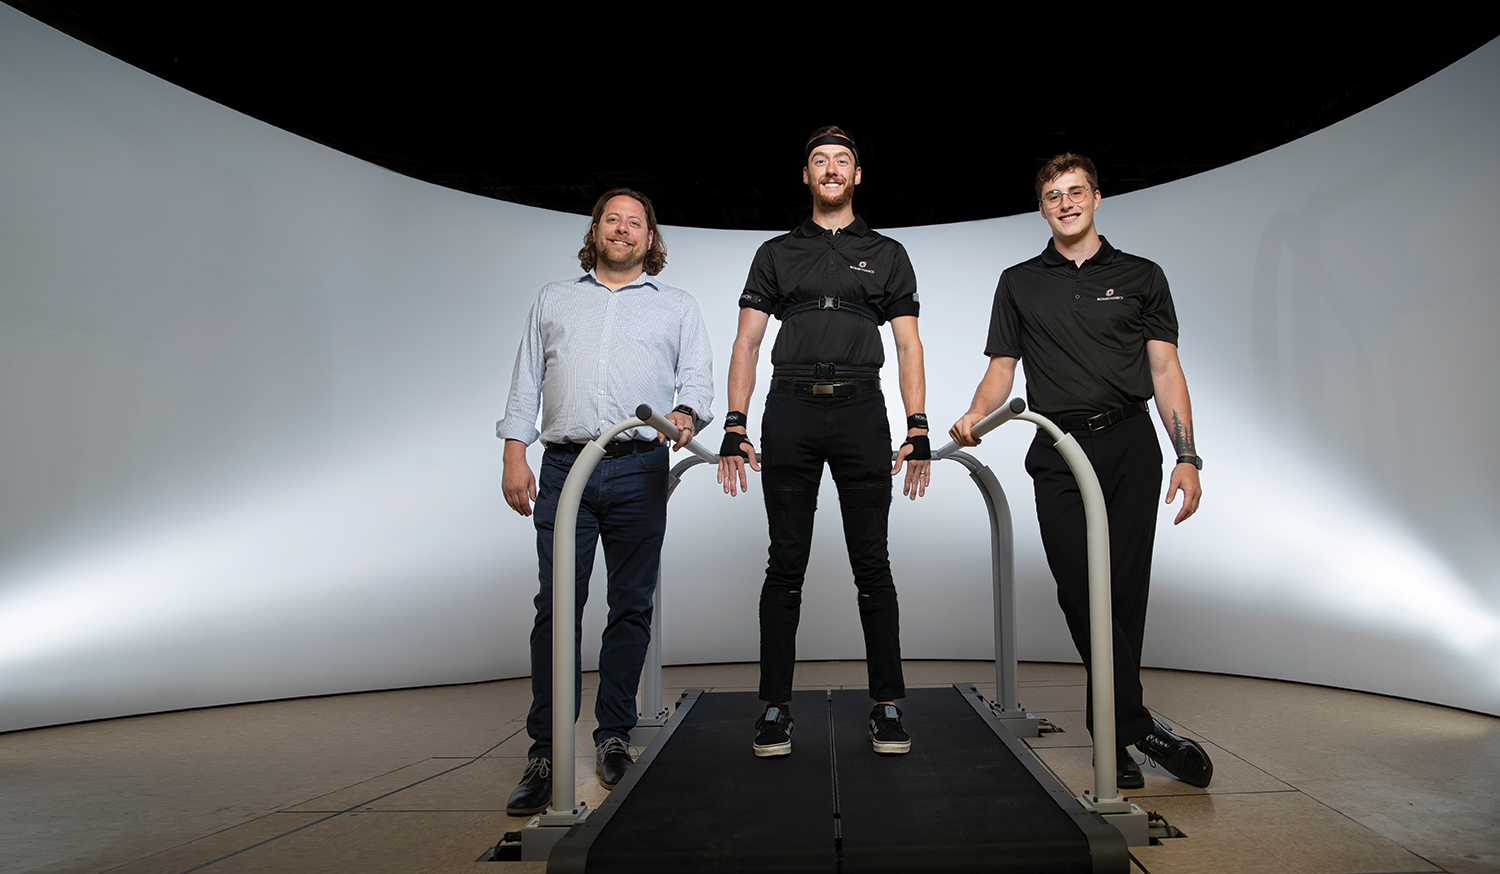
pixel 590 356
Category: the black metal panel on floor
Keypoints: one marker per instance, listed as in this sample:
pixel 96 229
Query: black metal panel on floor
pixel 968 797
pixel 962 800
pixel 704 802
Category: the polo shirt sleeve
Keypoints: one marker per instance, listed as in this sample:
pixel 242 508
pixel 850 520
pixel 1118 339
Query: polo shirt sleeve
pixel 1158 315
pixel 901 287
pixel 1005 322
pixel 761 291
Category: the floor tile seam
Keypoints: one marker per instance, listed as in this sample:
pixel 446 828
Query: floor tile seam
pixel 351 808
pixel 1275 849
pixel 1217 794
pixel 410 810
pixel 1393 842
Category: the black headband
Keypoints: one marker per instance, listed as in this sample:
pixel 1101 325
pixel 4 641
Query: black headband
pixel 832 140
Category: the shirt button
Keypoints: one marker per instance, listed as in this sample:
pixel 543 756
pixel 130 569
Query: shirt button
pixel 1077 296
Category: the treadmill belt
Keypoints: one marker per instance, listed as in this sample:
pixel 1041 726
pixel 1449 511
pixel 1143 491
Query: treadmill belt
pixel 967 798
pixel 959 801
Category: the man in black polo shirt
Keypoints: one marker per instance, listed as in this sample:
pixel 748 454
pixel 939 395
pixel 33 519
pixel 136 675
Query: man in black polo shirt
pixel 832 282
pixel 1098 333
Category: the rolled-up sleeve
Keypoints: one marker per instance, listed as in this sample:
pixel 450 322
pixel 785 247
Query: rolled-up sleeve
pixel 695 363
pixel 524 404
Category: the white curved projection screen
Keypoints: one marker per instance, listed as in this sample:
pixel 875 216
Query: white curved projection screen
pixel 249 387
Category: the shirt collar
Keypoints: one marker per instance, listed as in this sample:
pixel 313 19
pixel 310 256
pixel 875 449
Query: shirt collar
pixel 811 228
pixel 1053 258
pixel 644 279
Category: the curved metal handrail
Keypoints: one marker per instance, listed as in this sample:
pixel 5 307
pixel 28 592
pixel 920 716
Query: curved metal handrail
pixel 1101 662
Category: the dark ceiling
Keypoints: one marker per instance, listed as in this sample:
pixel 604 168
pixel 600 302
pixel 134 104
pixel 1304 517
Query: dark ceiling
pixel 708 114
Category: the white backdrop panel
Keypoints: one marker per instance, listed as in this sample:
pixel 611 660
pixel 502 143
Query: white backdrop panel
pixel 250 387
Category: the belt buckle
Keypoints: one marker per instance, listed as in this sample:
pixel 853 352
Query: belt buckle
pixel 822 388
pixel 1099 422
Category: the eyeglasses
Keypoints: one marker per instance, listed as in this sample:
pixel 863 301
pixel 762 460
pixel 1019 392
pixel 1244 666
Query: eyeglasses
pixel 1076 194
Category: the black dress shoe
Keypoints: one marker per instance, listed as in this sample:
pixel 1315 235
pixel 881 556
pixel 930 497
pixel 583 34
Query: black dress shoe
pixel 534 791
pixel 1127 772
pixel 1184 759
pixel 612 762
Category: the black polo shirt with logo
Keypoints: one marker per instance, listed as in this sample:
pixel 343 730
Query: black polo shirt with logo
pixel 856 264
pixel 1082 331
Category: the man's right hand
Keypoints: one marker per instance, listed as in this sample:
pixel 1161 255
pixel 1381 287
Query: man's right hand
pixel 732 467
pixel 962 431
pixel 517 482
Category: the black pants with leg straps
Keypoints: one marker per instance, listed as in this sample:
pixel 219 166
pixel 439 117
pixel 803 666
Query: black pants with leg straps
pixel 799 433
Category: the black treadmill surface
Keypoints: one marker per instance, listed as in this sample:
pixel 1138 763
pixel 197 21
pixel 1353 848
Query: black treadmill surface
pixel 967 798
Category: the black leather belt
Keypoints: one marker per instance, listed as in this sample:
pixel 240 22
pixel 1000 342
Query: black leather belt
pixel 843 389
pixel 825 379
pixel 613 449
pixel 1104 420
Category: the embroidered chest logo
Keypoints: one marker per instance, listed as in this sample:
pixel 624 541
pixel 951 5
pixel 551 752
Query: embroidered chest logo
pixel 862 268
pixel 1109 296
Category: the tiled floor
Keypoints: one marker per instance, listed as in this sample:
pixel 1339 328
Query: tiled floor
pixel 1306 779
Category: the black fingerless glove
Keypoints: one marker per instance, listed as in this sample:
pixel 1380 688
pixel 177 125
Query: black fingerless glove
pixel 733 440
pixel 921 448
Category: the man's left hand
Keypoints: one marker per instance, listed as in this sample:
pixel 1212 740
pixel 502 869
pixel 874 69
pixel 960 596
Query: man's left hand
pixel 918 473
pixel 1185 478
pixel 685 432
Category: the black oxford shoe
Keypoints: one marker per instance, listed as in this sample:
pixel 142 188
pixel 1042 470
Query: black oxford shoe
pixel 534 791
pixel 1127 772
pixel 613 762
pixel 1184 759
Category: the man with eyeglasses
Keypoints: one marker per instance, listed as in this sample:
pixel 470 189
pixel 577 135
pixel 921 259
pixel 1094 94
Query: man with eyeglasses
pixel 1098 333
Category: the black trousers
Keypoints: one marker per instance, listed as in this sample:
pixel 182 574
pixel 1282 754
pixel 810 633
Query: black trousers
pixel 798 434
pixel 1127 459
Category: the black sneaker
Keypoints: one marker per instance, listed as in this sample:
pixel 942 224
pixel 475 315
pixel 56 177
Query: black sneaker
pixel 773 732
pixel 886 733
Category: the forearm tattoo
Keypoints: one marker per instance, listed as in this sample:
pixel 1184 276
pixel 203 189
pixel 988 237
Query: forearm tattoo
pixel 1182 438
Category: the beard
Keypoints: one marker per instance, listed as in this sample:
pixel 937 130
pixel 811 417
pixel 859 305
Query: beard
pixel 622 260
pixel 826 200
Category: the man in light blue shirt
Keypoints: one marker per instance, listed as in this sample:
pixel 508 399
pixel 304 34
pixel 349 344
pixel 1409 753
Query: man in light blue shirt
pixel 594 349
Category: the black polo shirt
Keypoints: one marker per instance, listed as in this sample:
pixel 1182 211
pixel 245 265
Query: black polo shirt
pixel 1082 331
pixel 855 264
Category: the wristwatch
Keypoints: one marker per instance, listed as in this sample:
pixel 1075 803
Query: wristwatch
pixel 1194 460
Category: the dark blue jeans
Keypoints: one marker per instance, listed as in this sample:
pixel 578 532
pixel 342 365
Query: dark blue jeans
pixel 625 505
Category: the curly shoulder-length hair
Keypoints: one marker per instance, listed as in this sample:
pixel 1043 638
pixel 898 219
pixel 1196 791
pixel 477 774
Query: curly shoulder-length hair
pixel 656 256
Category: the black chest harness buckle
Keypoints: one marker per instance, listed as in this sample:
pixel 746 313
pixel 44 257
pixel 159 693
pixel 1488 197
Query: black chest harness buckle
pixel 831 303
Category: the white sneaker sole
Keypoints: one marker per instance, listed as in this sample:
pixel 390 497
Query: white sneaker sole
pixel 891 748
pixel 772 750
